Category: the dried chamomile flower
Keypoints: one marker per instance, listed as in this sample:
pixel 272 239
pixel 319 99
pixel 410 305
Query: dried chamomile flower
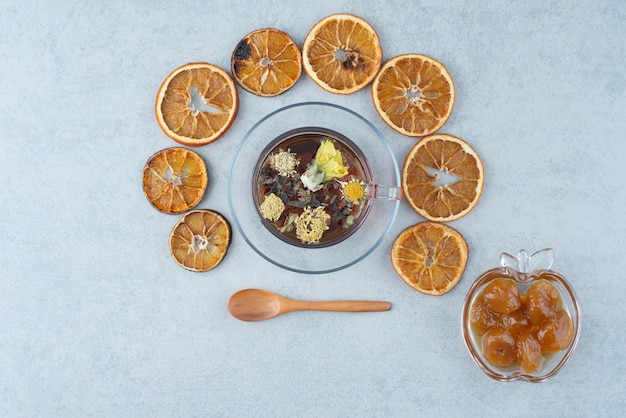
pixel 353 190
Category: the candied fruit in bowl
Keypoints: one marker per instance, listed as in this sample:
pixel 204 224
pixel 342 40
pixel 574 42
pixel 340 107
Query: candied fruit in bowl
pixel 521 321
pixel 502 296
pixel 528 350
pixel 481 317
pixel 555 335
pixel 498 347
pixel 542 302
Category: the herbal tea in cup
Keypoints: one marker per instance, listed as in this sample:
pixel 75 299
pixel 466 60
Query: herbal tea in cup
pixel 313 187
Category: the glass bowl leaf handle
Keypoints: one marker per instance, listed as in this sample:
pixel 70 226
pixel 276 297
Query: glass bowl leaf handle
pixel 526 264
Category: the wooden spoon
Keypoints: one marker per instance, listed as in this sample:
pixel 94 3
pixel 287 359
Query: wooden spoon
pixel 257 305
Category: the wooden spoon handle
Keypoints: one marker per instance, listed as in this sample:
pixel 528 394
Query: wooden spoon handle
pixel 341 306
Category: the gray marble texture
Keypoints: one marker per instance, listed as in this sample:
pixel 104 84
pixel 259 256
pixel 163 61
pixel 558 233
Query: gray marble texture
pixel 96 319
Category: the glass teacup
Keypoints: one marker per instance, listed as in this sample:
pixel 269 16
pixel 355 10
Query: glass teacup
pixel 345 128
pixel 345 198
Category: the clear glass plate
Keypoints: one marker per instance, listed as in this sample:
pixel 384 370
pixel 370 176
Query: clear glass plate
pixel 242 176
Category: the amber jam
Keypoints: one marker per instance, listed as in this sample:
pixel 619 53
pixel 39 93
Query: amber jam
pixel 298 208
pixel 520 326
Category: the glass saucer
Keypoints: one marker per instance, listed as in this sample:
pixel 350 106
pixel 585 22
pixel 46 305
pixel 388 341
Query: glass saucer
pixel 241 178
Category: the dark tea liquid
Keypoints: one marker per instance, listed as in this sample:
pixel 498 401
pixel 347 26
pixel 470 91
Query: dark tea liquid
pixel 345 217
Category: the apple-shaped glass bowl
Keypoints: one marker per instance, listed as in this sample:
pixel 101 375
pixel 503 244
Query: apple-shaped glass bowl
pixel 525 270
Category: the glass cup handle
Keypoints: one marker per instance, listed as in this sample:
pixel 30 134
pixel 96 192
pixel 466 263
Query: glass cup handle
pixel 383 192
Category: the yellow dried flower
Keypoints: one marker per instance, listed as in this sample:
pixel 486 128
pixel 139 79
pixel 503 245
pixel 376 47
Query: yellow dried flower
pixel 329 160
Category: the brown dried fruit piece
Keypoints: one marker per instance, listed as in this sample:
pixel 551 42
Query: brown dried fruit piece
pixel 502 296
pixel 543 302
pixel 555 335
pixel 499 347
pixel 529 351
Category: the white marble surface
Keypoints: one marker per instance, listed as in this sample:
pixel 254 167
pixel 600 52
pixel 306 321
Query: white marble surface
pixel 96 319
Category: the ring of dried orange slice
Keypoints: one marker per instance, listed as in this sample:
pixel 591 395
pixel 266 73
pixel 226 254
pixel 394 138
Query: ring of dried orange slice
pixel 430 257
pixel 200 240
pixel 442 177
pixel 174 180
pixel 266 62
pixel 414 94
pixel 342 53
pixel 196 104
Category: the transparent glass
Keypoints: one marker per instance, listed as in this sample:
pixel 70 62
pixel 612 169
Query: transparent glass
pixel 524 270
pixel 384 190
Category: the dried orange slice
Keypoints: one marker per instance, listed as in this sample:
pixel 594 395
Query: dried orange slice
pixel 174 180
pixel 266 62
pixel 442 177
pixel 430 257
pixel 413 94
pixel 196 104
pixel 342 53
pixel 200 240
